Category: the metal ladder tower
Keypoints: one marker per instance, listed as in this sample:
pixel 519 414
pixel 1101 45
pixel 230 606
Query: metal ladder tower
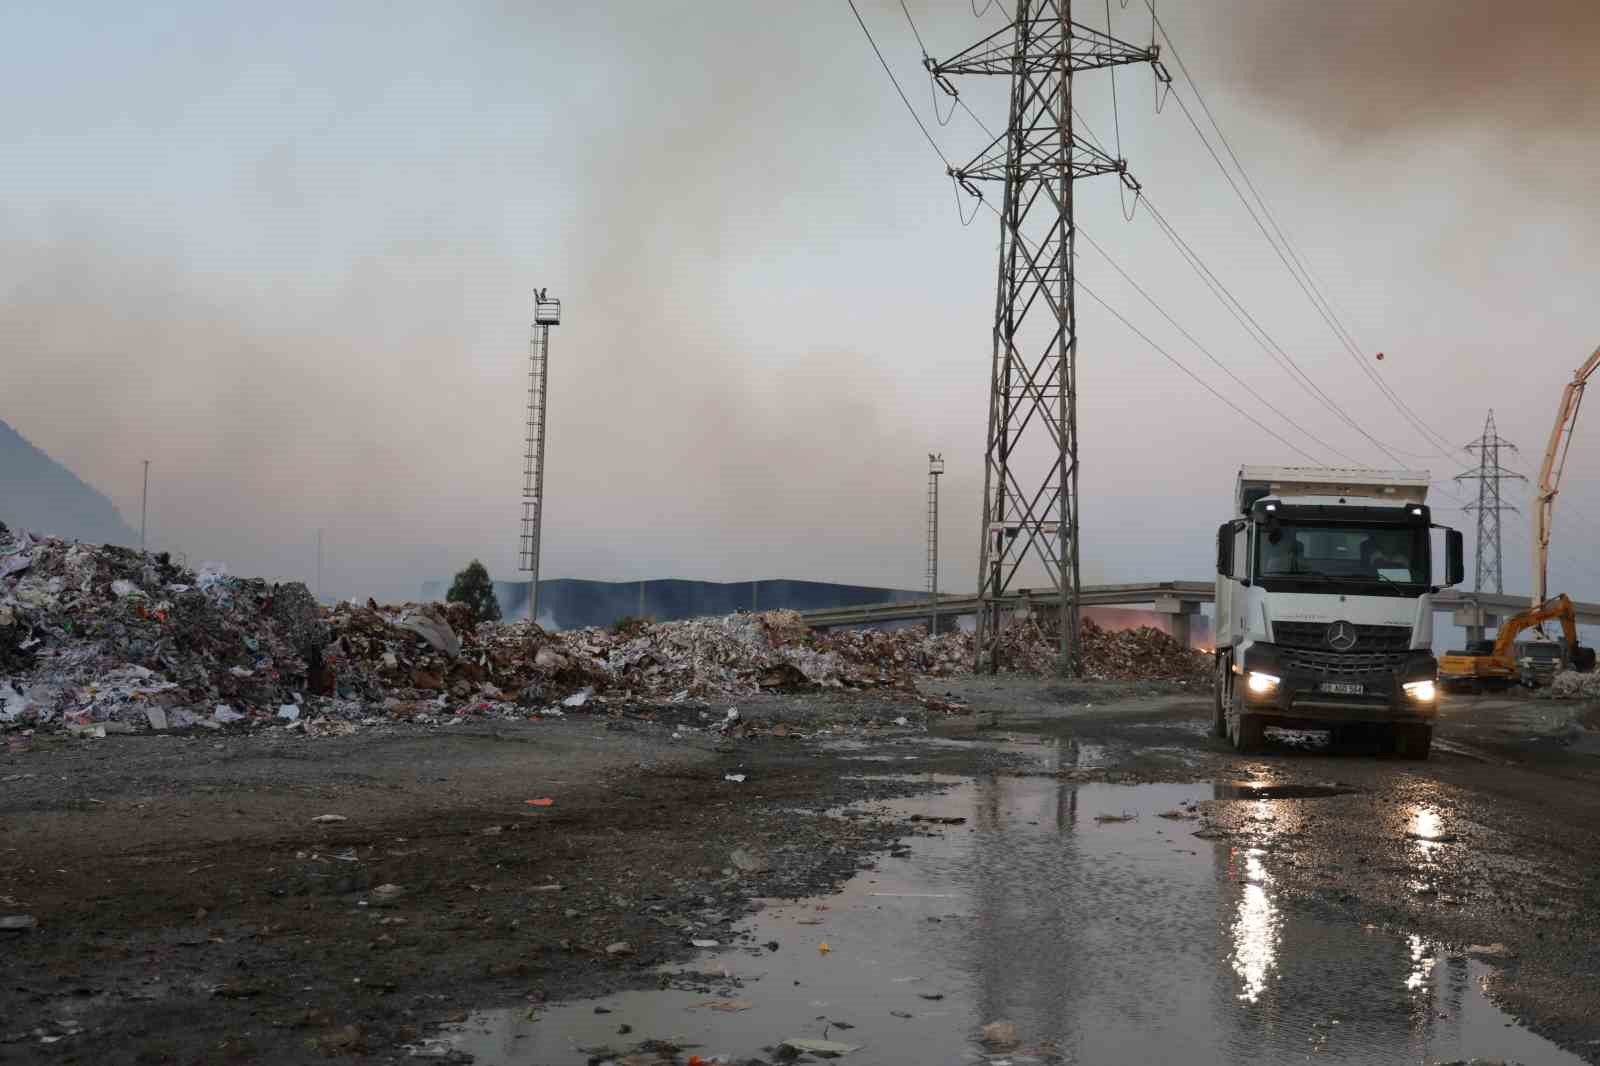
pixel 546 313
pixel 1030 491
pixel 935 468
pixel 1489 475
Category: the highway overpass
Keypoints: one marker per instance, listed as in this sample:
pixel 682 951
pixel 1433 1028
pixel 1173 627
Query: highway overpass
pixel 1179 599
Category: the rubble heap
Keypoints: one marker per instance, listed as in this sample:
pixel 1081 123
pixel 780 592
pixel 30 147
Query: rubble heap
pixel 1572 685
pixel 1142 654
pixel 91 636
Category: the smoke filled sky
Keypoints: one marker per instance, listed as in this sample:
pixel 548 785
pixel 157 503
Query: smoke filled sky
pixel 285 252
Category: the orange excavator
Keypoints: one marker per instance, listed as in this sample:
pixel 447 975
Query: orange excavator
pixel 1498 666
pixel 1479 667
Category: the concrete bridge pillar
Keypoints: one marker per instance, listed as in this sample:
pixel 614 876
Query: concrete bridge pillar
pixel 1475 619
pixel 1180 614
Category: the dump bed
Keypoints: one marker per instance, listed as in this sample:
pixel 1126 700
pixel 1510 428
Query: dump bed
pixel 1385 486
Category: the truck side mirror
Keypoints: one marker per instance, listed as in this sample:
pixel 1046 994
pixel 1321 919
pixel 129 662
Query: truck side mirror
pixel 1225 549
pixel 1454 558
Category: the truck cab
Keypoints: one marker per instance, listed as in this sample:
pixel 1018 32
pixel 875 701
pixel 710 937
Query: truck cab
pixel 1539 661
pixel 1324 605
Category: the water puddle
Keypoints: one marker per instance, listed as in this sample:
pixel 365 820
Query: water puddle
pixel 1260 790
pixel 1057 922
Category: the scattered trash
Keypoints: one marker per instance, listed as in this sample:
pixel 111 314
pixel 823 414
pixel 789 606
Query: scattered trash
pixel 820 1047
pixel 17 923
pixel 385 894
pixel 901 1014
pixel 1569 684
pixel 1496 950
pixel 543 801
pixel 330 818
pixel 823 948
pixel 621 947
pixel 578 699
pixel 1104 819
pixel 737 779
pixel 545 888
pixel 729 720
pixel 1000 1034
pixel 427 624
pixel 706 943
pixel 748 862
pixel 156 717
pixel 226 714
pixel 727 1006
pixel 936 819
pixel 902 720
pixel 289 712
pixel 935 996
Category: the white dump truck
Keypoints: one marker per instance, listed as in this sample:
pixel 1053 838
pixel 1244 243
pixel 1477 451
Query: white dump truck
pixel 1324 609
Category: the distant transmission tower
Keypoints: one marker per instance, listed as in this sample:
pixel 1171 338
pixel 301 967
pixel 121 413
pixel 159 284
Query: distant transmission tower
pixel 935 468
pixel 1030 481
pixel 1488 475
pixel 546 313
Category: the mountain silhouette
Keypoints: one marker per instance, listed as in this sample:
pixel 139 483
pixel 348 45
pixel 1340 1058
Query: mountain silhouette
pixel 42 496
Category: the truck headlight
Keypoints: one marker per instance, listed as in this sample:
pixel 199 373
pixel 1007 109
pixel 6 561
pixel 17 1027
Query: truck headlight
pixel 1422 691
pixel 1261 684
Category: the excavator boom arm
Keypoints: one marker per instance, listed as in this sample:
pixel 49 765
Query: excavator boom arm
pixel 1556 607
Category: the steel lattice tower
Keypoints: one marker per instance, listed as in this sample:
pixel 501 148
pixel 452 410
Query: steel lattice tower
pixel 1489 475
pixel 546 313
pixel 1030 494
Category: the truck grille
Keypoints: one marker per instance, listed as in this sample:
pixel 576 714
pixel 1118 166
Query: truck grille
pixel 1368 638
pixel 1345 664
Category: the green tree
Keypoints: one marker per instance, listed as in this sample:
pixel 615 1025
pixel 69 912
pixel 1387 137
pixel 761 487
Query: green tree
pixel 473 588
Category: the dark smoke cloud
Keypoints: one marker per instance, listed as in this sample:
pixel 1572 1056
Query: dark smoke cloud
pixel 1517 71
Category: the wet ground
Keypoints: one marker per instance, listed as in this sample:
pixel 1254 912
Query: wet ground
pixel 1092 877
pixel 1053 922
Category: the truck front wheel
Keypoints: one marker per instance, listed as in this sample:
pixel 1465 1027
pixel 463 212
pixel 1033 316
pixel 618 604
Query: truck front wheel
pixel 1412 741
pixel 1219 696
pixel 1248 732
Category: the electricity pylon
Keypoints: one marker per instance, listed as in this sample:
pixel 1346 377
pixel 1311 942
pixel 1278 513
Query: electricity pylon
pixel 1030 493
pixel 1488 475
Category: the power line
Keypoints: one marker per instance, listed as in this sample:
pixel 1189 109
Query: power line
pixel 1293 262
pixel 1168 356
pixel 913 24
pixel 1204 271
pixel 896 81
pixel 1203 349
pixel 1246 320
pixel 1258 332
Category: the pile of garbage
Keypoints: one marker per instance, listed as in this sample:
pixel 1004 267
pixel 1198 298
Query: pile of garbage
pixel 1572 685
pixel 107 639
pixel 1142 654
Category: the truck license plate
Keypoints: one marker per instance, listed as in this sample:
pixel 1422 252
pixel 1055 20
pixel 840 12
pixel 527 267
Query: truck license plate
pixel 1342 688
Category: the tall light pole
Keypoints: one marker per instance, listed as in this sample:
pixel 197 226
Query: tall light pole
pixel 319 567
pixel 935 468
pixel 144 505
pixel 546 313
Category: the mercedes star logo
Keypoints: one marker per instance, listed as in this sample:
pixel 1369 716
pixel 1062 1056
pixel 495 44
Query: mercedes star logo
pixel 1341 636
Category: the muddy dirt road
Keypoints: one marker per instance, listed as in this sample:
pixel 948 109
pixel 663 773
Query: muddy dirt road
pixel 1092 877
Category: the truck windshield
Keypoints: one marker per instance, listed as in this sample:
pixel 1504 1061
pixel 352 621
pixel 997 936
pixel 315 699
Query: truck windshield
pixel 1307 553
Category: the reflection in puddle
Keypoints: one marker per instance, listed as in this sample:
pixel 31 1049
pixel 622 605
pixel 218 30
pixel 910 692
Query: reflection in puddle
pixel 1075 914
pixel 1422 960
pixel 1255 930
